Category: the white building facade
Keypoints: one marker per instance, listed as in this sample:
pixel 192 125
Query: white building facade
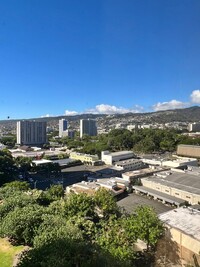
pixel 31 132
pixel 62 126
pixel 110 158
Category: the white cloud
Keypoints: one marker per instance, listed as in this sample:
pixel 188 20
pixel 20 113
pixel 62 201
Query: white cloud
pixel 71 113
pixel 108 109
pixel 195 96
pixel 46 116
pixel 173 104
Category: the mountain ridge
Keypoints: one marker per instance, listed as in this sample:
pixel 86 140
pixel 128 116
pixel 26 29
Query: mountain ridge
pixel 191 114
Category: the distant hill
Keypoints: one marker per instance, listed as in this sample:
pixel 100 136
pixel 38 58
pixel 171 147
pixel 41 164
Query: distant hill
pixel 191 114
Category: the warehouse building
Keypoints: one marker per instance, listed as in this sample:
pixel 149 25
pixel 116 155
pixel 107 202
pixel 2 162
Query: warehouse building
pixel 134 175
pixel 181 244
pixel 179 162
pixel 184 185
pixel 85 158
pixel 188 151
pixel 109 158
pixel 130 164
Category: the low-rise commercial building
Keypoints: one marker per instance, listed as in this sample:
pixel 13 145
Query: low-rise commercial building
pixel 85 158
pixel 188 151
pixel 109 158
pixel 132 176
pixel 129 164
pixel 184 185
pixel 171 163
pixel 182 238
pixel 115 185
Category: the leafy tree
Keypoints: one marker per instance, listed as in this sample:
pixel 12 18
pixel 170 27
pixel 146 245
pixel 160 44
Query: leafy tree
pixel 9 141
pixel 57 208
pixel 87 226
pixel 55 192
pixel 50 168
pixel 20 225
pixel 66 252
pixel 61 243
pixel 24 163
pixel 81 204
pixel 55 226
pixel 113 239
pixel 149 227
pixel 105 202
pixel 16 199
pixel 17 185
pixel 7 168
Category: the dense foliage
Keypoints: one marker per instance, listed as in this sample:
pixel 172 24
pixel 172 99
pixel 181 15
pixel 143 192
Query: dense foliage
pixel 140 141
pixel 74 230
pixel 7 166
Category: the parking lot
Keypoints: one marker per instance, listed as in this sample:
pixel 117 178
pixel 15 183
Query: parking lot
pixel 132 201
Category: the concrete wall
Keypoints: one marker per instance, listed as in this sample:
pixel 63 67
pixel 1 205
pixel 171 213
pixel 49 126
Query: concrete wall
pixel 109 158
pixel 188 151
pixel 131 166
pixel 187 196
pixel 84 157
pixel 177 248
pixel 187 244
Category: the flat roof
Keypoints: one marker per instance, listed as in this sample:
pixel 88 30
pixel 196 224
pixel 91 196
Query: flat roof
pixel 63 161
pixel 183 181
pixel 190 146
pixel 158 194
pixel 184 219
pixel 127 162
pixel 144 171
pixel 42 161
pixel 120 153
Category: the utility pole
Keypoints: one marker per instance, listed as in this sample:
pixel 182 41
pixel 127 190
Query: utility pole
pixel 35 184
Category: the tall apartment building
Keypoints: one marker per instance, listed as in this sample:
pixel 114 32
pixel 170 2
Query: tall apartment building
pixel 31 132
pixel 194 127
pixel 88 127
pixel 62 126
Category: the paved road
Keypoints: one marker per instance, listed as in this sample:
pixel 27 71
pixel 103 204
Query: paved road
pixel 132 201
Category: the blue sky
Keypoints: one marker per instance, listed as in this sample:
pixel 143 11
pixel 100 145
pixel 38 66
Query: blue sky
pixel 62 57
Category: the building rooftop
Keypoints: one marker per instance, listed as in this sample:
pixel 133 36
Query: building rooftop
pixel 144 171
pixel 120 153
pixel 185 181
pixel 42 161
pixel 127 162
pixel 92 187
pixel 189 146
pixel 63 161
pixel 184 219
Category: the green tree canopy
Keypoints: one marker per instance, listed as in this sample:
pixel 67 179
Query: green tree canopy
pixel 20 225
pixel 149 227
pixel 105 203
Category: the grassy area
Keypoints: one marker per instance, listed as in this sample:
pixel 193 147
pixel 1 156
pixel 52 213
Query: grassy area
pixel 7 252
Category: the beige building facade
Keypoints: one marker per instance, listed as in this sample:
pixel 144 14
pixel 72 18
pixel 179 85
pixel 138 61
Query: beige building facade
pixel 181 244
pixel 85 158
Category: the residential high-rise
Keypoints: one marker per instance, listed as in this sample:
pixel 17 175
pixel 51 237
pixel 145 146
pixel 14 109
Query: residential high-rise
pixel 68 133
pixel 88 127
pixel 194 127
pixel 31 132
pixel 62 126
